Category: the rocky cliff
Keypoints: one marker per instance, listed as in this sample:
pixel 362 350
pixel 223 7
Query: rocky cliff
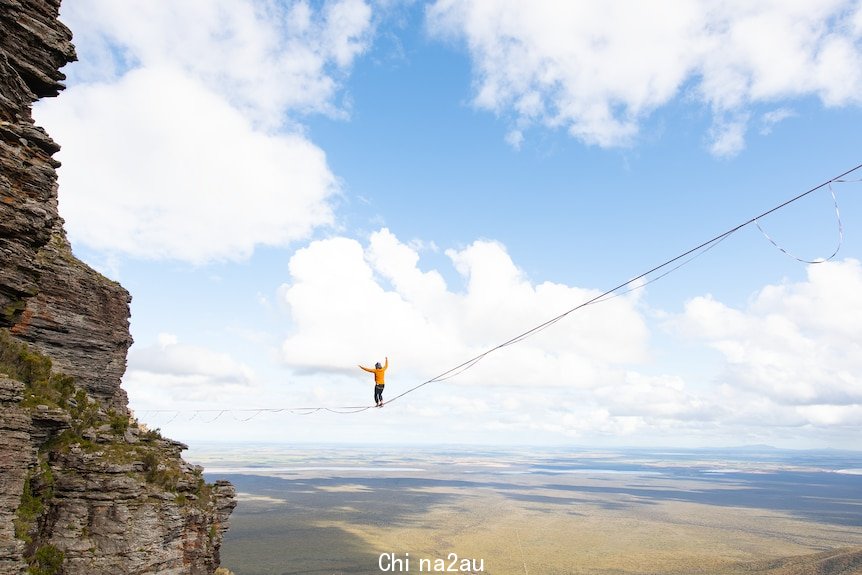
pixel 47 297
pixel 82 489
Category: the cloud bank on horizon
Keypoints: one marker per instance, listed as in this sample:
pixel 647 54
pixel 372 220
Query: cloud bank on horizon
pixel 197 115
pixel 789 361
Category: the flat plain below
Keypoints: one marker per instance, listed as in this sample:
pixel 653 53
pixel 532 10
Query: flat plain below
pixel 325 510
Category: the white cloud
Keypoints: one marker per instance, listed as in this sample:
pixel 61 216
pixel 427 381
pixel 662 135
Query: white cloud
pixel 263 57
pixel 350 301
pixel 795 344
pixel 515 138
pixel 727 136
pixel 770 119
pixel 157 166
pixel 656 397
pixel 170 372
pixel 831 415
pixel 179 126
pixel 790 357
pixel 598 69
pixel 166 339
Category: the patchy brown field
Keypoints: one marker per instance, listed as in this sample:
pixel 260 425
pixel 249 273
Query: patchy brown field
pixel 577 513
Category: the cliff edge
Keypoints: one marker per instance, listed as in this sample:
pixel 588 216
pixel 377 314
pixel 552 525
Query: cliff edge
pixel 83 489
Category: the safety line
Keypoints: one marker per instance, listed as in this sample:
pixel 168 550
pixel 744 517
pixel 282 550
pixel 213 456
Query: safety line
pixel 720 237
pixel 683 259
pixel 819 260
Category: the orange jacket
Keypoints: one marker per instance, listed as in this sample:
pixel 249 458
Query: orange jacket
pixel 378 373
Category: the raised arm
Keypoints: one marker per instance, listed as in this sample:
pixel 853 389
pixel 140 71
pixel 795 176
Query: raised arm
pixel 368 369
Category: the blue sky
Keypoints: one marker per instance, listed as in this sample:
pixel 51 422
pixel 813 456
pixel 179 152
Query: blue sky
pixel 289 189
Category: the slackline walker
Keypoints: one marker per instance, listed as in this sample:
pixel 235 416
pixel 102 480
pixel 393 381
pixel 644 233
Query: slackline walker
pixel 637 282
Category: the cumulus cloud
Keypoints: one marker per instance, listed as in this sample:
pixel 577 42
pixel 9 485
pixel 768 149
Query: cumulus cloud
pixel 598 70
pixel 363 302
pixel 656 397
pixel 263 57
pixel 788 369
pixel 172 371
pixel 179 129
pixel 795 344
pixel 789 358
pixel 179 174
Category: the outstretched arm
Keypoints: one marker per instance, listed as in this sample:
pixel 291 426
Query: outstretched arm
pixel 387 364
pixel 368 369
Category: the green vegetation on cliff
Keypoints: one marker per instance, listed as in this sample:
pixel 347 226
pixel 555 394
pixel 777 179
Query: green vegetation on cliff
pixel 80 425
pixel 43 386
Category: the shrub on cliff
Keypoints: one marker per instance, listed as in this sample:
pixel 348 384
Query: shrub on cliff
pixel 43 386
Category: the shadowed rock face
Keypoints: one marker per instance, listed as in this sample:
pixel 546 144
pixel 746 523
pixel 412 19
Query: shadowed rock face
pixel 107 511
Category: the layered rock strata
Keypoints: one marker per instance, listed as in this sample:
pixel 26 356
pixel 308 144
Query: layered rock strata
pixel 81 489
pixel 47 297
pixel 79 483
pixel 16 457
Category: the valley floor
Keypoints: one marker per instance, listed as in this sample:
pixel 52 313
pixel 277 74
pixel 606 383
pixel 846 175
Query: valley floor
pixel 358 510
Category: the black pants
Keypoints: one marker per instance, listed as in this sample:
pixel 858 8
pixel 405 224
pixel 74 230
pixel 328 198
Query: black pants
pixel 378 394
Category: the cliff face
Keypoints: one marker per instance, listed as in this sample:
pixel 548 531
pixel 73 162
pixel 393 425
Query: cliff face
pixel 47 297
pixel 81 489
